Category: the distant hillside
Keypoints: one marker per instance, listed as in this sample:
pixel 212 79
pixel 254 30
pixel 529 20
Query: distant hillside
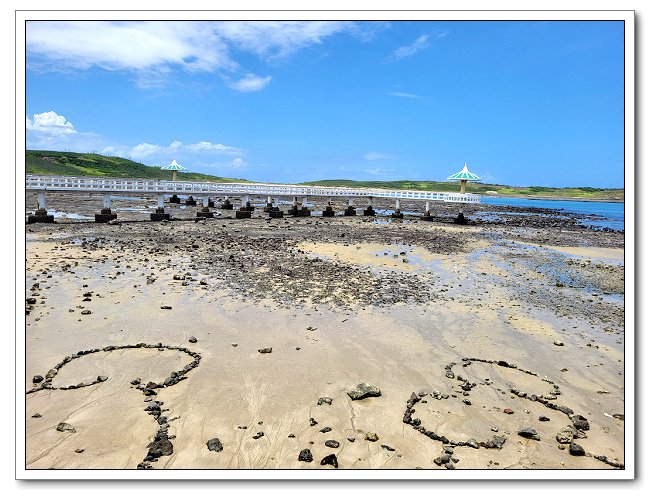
pixel 584 193
pixel 88 164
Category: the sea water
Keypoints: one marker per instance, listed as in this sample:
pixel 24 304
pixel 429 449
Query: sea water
pixel 609 214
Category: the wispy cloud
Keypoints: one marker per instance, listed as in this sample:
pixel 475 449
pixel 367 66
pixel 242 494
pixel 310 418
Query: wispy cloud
pixel 374 155
pixel 153 51
pixel 404 94
pixel 377 171
pixel 250 83
pixel 408 50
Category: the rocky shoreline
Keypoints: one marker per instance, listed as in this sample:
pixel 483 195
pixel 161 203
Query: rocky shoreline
pixel 372 299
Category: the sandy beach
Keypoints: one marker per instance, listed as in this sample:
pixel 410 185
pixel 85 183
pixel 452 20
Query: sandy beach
pixel 497 345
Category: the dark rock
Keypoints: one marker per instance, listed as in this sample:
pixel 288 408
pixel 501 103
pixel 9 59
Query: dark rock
pixel 325 429
pixel 165 307
pixel 305 456
pixel 37 415
pixel 330 443
pixel 65 427
pixel 164 447
pixel 543 418
pixel 312 422
pixel 386 447
pixel 37 379
pixel 371 436
pixel 214 445
pixel 102 378
pixel 265 350
pixel 576 450
pixel 330 460
pixel 258 435
pixel 508 411
pixel 324 401
pixel 467 402
pixel 192 340
pixel 86 311
pixel 472 443
pixel 364 390
pixel 529 433
pixel 580 422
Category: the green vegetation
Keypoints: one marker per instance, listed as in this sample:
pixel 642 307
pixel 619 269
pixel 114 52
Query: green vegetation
pixel 583 193
pixel 95 165
pixel 90 164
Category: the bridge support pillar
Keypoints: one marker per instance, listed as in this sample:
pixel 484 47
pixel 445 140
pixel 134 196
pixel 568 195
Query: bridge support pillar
pixel 460 219
pixel 245 210
pixel 369 211
pixel 397 214
pixel 301 211
pixel 160 214
pixel 205 211
pixel 350 210
pixel 269 204
pixel 329 210
pixel 426 216
pixel 190 201
pixel 174 199
pixel 40 215
pixel 105 215
pixel 226 205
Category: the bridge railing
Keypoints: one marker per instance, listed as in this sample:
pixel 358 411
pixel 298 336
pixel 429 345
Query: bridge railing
pixel 112 185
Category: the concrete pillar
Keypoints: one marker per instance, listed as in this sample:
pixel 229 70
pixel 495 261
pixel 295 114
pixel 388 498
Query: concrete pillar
pixel 174 175
pixel 205 210
pixel 350 210
pixel 174 199
pixel 105 214
pixel 226 205
pixel 41 213
pixel 329 211
pixel 463 184
pixel 369 211
pixel 397 214
pixel 159 214
pixel 190 201
pixel 426 216
pixel 269 204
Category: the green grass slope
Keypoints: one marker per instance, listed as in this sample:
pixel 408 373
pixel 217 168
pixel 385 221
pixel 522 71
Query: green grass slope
pixel 584 193
pixel 95 165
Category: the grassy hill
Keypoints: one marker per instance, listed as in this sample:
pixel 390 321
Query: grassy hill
pixel 583 193
pixel 88 164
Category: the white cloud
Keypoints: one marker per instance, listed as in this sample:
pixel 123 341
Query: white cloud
pixel 152 50
pixel 208 146
pixel 374 155
pixel 277 39
pixel 250 83
pixel 50 123
pixel 404 94
pixel 408 50
pixel 377 171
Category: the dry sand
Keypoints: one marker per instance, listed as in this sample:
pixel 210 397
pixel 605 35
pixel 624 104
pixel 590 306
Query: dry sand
pixel 489 303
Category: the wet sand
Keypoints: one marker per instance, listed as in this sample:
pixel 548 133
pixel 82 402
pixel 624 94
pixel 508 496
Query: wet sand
pixel 342 301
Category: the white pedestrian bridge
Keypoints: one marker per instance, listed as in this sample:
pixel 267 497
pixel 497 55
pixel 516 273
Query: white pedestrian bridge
pixel 107 185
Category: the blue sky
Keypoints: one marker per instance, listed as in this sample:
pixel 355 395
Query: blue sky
pixel 522 103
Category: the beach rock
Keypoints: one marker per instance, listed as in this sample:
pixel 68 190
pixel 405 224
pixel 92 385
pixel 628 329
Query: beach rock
pixel 580 422
pixel 325 429
pixel 214 445
pixel 558 343
pixel 164 447
pixel 324 401
pixel 543 418
pixel 37 415
pixel 37 379
pixel 312 422
pixel 330 443
pixel 330 460
pixel 371 436
pixel 364 390
pixel 386 447
pixel 472 443
pixel 86 311
pixel 258 435
pixel 529 433
pixel 102 378
pixel 305 456
pixel 192 340
pixel 165 307
pixel 65 427
pixel 508 411
pixel 576 450
pixel 265 350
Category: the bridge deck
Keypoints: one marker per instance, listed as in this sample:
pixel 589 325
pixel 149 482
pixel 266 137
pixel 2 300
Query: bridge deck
pixel 110 185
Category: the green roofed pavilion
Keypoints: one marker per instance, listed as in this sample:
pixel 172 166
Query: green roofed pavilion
pixel 175 167
pixel 463 176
